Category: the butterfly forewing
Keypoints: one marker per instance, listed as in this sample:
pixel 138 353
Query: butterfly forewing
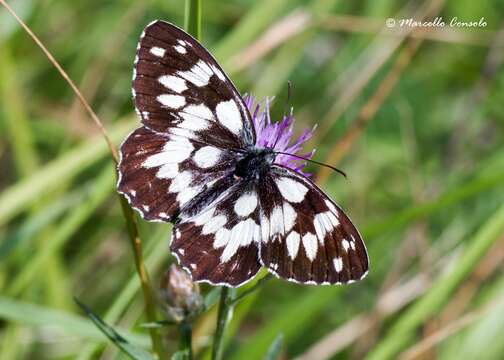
pixel 179 88
pixel 306 237
pixel 160 173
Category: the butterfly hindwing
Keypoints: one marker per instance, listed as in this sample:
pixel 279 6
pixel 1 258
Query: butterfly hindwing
pixel 179 88
pixel 219 244
pixel 307 238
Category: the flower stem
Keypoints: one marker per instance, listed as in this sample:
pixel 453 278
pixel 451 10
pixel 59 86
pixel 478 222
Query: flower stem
pixel 185 330
pixel 222 316
pixel 193 18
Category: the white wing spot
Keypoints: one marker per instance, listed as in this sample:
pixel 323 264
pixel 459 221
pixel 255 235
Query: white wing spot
pixel 246 204
pixel 338 264
pixel 171 101
pixel 207 156
pixel 289 215
pixel 180 49
pixel 276 221
pixel 195 117
pixel 291 190
pixel 242 234
pixel 157 51
pixel 203 217
pixel 217 72
pixel 197 74
pixel 145 115
pixel 174 83
pixel 265 229
pixel 292 241
pixel 221 238
pixel 331 206
pixel 181 182
pixel 184 196
pixel 346 244
pixel 310 246
pixel 214 224
pixel 322 226
pixel 229 116
pixel 168 171
pixel 174 151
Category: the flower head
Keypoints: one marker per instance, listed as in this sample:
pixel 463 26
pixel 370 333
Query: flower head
pixel 278 135
pixel 180 294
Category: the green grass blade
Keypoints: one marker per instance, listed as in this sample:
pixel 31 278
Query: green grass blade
pixel 40 316
pixel 133 351
pixel 19 196
pixel 403 330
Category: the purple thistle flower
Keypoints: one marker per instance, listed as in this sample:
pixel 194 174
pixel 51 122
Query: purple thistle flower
pixel 278 135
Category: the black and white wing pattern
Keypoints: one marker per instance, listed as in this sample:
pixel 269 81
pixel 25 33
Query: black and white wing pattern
pixel 179 88
pixel 219 244
pixel 305 236
pixel 194 119
pixel 194 163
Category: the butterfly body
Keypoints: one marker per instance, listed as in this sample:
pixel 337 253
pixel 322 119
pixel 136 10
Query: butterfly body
pixel 255 164
pixel 199 161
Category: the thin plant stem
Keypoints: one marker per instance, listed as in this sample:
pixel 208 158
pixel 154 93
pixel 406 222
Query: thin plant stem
pixel 127 212
pixel 192 24
pixel 150 303
pixel 192 21
pixel 222 316
pixel 185 330
pixel 247 292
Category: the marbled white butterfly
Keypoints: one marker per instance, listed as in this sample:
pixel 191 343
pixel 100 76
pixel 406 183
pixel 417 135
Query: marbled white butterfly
pixel 197 163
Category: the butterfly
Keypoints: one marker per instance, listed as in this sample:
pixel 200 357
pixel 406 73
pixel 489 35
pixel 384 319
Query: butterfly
pixel 196 162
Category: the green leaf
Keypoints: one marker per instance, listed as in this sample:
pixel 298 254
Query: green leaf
pixel 133 351
pixel 212 297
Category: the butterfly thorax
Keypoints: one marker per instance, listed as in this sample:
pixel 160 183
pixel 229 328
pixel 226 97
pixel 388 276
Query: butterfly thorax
pixel 255 163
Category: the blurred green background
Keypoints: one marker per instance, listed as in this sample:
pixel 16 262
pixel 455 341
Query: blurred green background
pixel 413 116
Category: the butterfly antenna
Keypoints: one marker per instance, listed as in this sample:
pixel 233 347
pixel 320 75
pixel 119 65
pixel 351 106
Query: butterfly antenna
pixel 314 161
pixel 287 102
pixel 289 96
